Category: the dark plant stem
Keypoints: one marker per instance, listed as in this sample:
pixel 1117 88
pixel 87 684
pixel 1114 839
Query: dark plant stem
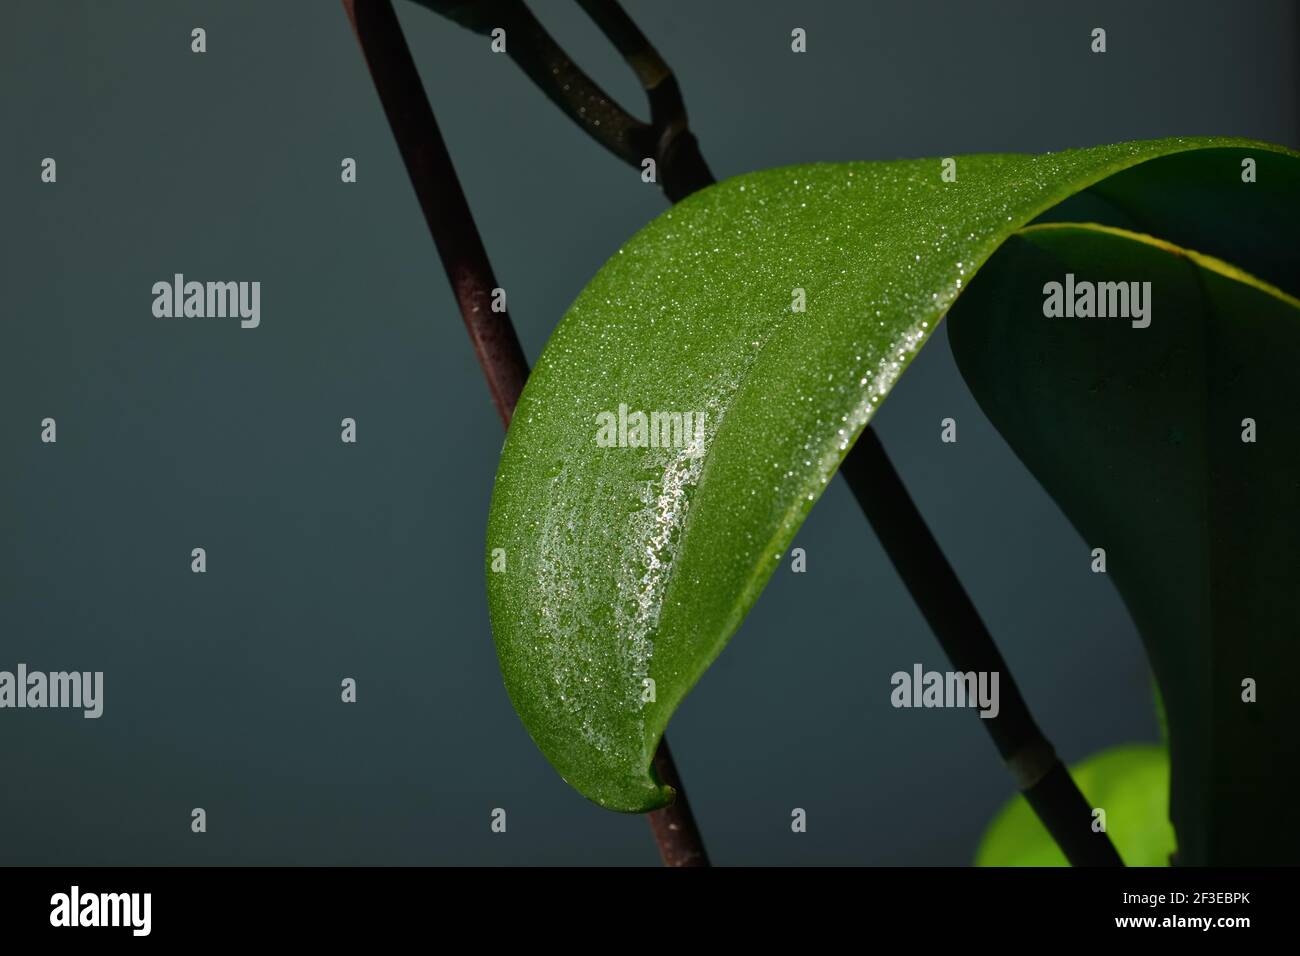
pixel 465 260
pixel 553 72
pixel 947 608
pixel 666 138
pixel 681 165
pixel 441 198
pixel 674 826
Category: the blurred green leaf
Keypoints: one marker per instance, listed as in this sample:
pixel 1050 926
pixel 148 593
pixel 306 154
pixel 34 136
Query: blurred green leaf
pixel 1130 783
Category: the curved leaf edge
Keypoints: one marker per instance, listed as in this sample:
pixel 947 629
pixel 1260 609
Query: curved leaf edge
pixel 1211 263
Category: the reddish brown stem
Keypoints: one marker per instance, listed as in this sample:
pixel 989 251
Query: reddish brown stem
pixel 674 826
pixel 466 262
pixel 441 198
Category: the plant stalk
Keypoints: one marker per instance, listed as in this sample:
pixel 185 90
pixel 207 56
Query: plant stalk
pixel 675 830
pixel 951 614
pixel 469 271
pixel 441 198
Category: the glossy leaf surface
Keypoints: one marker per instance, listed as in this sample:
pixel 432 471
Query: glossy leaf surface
pixel 623 571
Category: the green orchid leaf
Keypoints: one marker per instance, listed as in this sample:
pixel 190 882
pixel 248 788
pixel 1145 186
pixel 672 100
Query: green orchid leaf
pixel 1131 784
pixel 777 309
pixel 1176 448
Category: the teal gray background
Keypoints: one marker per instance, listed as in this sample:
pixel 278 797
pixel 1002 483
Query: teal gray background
pixel 328 561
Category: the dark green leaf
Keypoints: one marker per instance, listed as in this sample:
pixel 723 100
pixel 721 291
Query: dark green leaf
pixel 1138 435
